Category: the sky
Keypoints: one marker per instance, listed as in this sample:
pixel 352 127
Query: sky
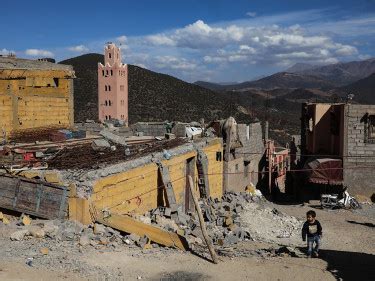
pixel 210 40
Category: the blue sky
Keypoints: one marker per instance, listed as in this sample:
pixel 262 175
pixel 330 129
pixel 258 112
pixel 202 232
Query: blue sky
pixel 194 40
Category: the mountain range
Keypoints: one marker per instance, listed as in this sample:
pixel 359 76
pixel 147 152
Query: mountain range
pixel 158 97
pixel 306 76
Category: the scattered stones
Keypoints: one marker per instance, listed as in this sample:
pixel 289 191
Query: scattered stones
pixel 100 145
pixel 25 220
pixel 134 237
pixel 44 251
pixel 3 218
pixel 99 229
pixel 19 235
pixel 36 231
pixel 84 240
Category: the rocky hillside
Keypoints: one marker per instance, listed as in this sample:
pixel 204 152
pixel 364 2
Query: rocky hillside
pixel 340 73
pixel 363 90
pixel 280 80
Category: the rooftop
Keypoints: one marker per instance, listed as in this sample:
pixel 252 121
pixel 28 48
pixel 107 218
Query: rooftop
pixel 17 63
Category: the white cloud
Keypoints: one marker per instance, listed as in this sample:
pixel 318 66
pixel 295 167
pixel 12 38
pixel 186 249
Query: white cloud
pixel 5 52
pixel 364 57
pixel 122 39
pixel 39 52
pixel 79 49
pixel 171 62
pixel 251 14
pixel 202 49
pixel 160 39
pixel 345 50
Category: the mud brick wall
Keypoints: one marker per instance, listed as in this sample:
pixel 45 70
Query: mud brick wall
pixel 252 150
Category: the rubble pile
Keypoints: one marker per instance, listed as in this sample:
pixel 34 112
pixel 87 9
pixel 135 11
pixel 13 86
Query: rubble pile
pixel 266 223
pixel 222 218
pixel 236 217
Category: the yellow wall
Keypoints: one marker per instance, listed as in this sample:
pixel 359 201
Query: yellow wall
pixel 136 190
pixel 27 101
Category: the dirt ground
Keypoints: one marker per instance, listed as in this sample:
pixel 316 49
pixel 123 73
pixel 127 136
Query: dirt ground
pixel 348 253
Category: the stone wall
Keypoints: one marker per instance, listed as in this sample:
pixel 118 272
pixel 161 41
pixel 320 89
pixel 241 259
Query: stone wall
pixel 359 156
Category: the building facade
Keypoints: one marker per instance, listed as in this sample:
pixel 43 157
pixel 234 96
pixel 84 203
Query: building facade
pixel 113 86
pixel 34 94
pixel 345 131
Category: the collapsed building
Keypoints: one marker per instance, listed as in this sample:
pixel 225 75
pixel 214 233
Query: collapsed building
pixel 339 137
pixel 54 169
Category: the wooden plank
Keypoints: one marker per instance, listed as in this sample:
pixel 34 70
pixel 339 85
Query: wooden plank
pixel 130 225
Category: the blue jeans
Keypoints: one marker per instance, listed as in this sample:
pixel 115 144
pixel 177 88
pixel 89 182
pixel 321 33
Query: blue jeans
pixel 310 244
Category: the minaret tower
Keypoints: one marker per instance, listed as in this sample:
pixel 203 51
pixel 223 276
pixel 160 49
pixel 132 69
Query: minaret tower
pixel 113 86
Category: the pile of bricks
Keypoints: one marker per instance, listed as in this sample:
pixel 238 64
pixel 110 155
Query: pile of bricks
pixel 222 218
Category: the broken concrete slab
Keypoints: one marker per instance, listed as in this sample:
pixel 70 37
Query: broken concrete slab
pixel 100 145
pixel 19 235
pixel 36 231
pixel 113 137
pixel 99 229
pixel 84 240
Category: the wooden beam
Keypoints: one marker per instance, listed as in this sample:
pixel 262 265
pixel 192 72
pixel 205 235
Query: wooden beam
pixel 202 223
pixel 129 225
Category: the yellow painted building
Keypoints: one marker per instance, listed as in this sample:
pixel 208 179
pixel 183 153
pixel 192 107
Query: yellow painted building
pixel 34 94
pixel 141 189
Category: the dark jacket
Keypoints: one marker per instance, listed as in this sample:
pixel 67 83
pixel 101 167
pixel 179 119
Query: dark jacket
pixel 311 229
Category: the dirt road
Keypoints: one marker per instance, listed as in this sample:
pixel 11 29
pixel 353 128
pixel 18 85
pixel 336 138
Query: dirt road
pixel 348 254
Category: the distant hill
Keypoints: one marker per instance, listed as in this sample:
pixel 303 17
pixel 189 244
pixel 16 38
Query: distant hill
pixel 341 73
pixel 298 67
pixel 152 96
pixel 211 86
pixel 279 80
pixel 288 80
pixel 363 90
pixel 85 85
pixel 304 95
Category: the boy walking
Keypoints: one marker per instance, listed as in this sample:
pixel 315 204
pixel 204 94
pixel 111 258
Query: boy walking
pixel 313 230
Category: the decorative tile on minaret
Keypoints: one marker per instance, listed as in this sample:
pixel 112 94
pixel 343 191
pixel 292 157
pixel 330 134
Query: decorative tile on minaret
pixel 113 86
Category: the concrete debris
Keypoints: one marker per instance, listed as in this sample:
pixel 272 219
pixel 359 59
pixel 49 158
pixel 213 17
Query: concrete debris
pixel 19 235
pixel 222 218
pixel 44 251
pixel 4 219
pixel 100 145
pixel 84 240
pixel 25 220
pixel 36 231
pixel 113 138
pixel 234 218
pixel 99 229
pixel 269 224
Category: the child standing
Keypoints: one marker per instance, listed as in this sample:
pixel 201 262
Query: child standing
pixel 313 230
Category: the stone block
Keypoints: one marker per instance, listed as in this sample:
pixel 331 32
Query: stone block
pixel 19 235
